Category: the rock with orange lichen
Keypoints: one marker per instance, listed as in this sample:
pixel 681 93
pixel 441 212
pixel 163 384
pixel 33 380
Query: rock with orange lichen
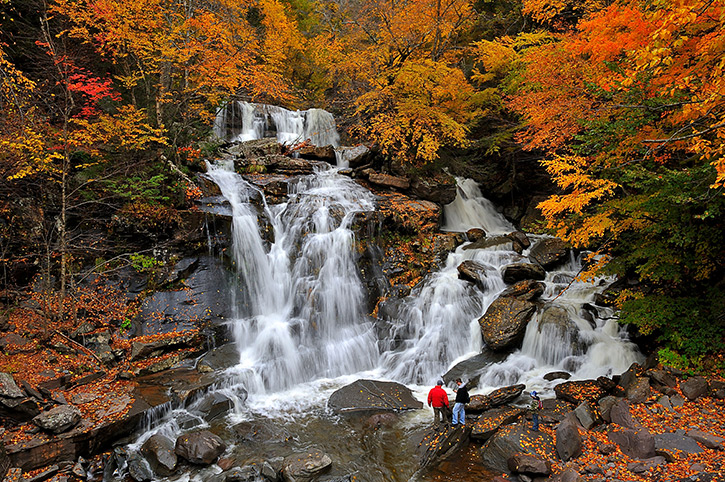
pixel 579 391
pixel 504 323
pixel 490 421
pixel 516 438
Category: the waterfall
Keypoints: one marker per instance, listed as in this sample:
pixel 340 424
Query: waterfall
pixel 301 331
pixel 299 297
pixel 244 121
pixel 300 301
pixel 471 210
pixel 439 326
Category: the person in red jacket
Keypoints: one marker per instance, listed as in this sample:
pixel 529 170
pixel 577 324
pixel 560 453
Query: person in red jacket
pixel 438 399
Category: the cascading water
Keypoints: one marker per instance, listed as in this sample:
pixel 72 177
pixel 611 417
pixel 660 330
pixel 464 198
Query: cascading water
pixel 299 308
pixel 245 121
pixel 439 322
pixel 301 330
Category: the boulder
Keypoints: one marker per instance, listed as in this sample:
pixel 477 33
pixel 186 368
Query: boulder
pixel 675 445
pixel 568 439
pixel 474 234
pixel 579 391
pixel 504 324
pixel 707 439
pixel 253 149
pixel 474 272
pixel 440 189
pixel 291 167
pixel 638 390
pixel 491 242
pixel 215 405
pixel 364 395
pixel 520 241
pixel 159 451
pixel 316 153
pixel 661 378
pixel 305 467
pixel 491 420
pixel 526 290
pixel 471 368
pixel 440 443
pixel 513 439
pixel 587 416
pixel 8 388
pixel 500 396
pixel 59 419
pixel 386 180
pixel 516 272
pixel 695 387
pixel 551 376
pixel 620 414
pixel 605 407
pixel 554 411
pixel 529 465
pixel 201 447
pixel 636 443
pixel 549 252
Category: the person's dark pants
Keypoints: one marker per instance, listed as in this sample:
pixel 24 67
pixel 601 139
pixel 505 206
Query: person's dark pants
pixel 440 413
pixel 535 420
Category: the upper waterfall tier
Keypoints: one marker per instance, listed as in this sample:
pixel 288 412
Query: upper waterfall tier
pixel 244 121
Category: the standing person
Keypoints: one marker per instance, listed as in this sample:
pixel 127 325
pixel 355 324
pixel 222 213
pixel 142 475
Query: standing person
pixel 536 405
pixel 462 398
pixel 438 399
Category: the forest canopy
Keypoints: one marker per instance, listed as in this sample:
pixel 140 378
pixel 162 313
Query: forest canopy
pixel 107 108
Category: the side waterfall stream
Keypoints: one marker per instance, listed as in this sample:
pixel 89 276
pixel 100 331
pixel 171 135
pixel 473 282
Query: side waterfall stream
pixel 301 330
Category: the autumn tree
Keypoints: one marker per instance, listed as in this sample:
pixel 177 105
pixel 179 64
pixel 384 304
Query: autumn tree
pixel 628 108
pixel 397 61
pixel 183 59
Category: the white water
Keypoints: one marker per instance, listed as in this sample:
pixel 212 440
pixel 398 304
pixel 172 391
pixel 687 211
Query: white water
pixel 299 298
pixel 301 328
pixel 471 210
pixel 300 301
pixel 245 121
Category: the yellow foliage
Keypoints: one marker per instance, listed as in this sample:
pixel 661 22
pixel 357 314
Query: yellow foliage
pixel 426 106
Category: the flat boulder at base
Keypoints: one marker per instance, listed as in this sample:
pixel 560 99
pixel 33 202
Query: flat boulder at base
pixel 440 443
pixel 365 395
